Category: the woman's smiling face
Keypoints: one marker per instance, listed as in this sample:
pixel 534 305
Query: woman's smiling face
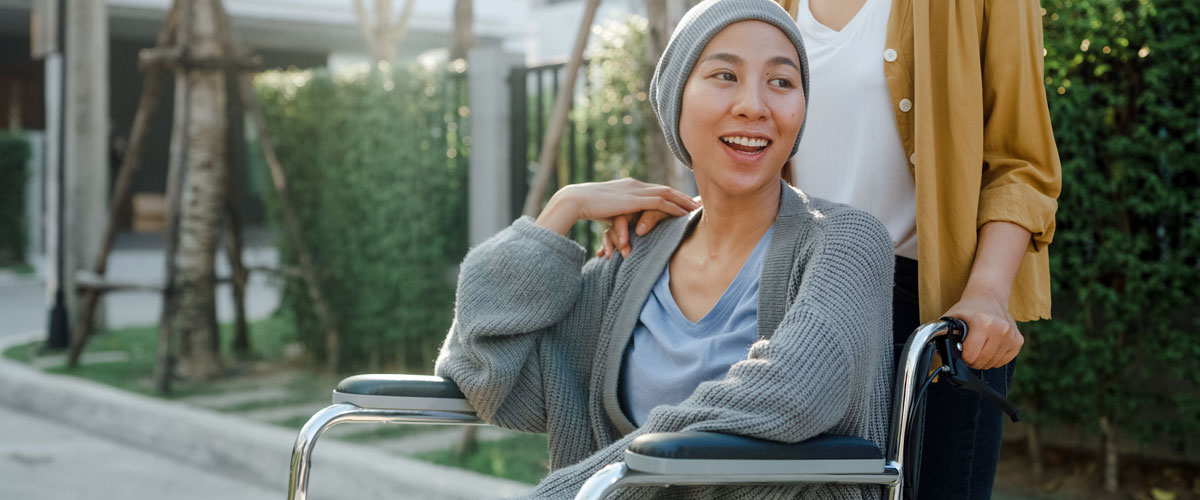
pixel 742 107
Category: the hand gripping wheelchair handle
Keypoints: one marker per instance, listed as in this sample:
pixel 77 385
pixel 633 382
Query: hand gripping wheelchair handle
pixel 958 374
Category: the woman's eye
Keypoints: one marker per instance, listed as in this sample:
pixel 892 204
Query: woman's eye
pixel 725 75
pixel 781 82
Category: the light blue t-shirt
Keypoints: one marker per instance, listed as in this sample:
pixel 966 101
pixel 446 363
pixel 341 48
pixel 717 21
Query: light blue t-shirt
pixel 668 356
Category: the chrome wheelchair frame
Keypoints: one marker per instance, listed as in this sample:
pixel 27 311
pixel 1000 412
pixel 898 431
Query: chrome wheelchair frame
pixel 666 459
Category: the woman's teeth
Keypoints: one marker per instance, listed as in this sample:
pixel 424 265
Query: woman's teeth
pixel 745 143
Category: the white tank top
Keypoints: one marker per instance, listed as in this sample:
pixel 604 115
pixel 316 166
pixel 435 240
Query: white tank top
pixel 851 150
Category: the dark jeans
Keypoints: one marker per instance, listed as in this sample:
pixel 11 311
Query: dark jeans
pixel 961 429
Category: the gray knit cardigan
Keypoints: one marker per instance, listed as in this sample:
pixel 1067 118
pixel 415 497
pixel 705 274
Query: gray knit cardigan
pixel 538 338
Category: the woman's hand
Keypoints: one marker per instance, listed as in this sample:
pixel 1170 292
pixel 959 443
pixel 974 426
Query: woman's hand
pixel 616 238
pixel 992 338
pixel 611 202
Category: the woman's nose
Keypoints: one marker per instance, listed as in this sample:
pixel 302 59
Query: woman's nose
pixel 749 103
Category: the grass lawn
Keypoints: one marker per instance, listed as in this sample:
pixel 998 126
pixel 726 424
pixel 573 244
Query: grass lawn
pixel 24 352
pixel 267 340
pixel 17 269
pixel 520 458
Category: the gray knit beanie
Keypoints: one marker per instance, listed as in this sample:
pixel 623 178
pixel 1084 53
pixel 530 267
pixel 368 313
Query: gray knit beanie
pixel 691 36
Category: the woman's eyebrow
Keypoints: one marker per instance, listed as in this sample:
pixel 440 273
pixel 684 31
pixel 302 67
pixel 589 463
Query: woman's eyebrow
pixel 725 56
pixel 784 61
pixel 736 60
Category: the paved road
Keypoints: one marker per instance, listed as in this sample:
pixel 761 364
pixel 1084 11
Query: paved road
pixel 41 459
pixel 22 307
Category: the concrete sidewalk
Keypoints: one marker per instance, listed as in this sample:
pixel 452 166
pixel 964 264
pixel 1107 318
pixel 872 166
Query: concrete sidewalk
pixel 228 446
pixel 44 459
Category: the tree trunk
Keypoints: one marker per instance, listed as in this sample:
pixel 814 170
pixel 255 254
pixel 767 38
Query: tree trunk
pixel 384 39
pixel 660 161
pixel 166 351
pixel 1111 467
pixel 400 31
pixel 383 31
pixel 203 202
pixel 14 106
pixel 365 25
pixel 464 37
pixel 1034 444
pixel 468 441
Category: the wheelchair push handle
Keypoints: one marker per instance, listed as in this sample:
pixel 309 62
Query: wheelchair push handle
pixel 958 374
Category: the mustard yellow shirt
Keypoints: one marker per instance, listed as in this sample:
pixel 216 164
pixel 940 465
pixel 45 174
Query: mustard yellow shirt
pixel 966 82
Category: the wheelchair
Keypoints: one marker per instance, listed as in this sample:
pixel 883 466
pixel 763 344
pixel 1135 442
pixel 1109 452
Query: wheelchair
pixel 691 458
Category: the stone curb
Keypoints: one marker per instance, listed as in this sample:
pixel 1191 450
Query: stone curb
pixel 237 448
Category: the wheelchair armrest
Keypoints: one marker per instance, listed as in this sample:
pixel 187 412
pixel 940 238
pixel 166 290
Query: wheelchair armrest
pixel 698 453
pixel 402 392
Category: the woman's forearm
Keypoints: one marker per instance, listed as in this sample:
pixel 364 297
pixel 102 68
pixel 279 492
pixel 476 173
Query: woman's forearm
pixel 997 259
pixel 560 213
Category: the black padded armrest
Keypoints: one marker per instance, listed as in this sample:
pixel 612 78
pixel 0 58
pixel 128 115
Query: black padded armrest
pixel 400 385
pixel 709 453
pixel 401 392
pixel 707 445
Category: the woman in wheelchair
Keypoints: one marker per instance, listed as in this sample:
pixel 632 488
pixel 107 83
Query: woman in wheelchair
pixel 765 313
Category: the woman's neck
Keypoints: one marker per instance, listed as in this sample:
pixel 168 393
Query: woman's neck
pixel 729 224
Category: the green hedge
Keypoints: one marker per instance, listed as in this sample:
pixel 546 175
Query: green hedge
pixel 377 170
pixel 1123 78
pixel 616 107
pixel 14 174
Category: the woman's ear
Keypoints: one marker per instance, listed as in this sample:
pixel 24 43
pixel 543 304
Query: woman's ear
pixel 786 172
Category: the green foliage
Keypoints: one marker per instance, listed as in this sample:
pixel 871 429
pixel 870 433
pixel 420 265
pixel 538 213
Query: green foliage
pixel 14 154
pixel 522 457
pixel 138 344
pixel 615 105
pixel 1122 77
pixel 376 166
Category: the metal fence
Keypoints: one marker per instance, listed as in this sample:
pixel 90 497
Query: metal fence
pixel 533 92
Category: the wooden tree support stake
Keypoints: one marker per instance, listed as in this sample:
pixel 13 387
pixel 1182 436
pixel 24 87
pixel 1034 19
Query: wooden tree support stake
pixel 558 119
pixel 291 222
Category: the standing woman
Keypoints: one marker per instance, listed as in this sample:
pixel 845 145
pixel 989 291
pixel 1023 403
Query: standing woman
pixel 931 115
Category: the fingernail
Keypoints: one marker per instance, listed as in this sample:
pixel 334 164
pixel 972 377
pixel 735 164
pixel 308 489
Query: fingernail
pixel 641 228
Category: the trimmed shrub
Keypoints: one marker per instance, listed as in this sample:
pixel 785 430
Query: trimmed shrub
pixel 14 174
pixel 376 165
